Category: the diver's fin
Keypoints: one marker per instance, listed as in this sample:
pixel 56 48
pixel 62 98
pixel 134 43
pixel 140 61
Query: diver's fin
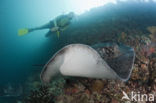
pixel 22 32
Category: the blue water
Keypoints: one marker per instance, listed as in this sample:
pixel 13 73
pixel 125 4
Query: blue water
pixel 18 54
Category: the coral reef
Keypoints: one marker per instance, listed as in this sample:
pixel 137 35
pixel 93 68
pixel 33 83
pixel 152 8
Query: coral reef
pixel 36 92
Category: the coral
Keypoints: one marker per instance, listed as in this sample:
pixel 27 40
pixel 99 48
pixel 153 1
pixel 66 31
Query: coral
pixel 97 86
pixel 41 95
pixel 152 30
pixel 56 87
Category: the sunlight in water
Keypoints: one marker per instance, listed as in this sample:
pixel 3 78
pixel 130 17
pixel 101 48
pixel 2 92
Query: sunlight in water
pixel 80 6
pixel 85 5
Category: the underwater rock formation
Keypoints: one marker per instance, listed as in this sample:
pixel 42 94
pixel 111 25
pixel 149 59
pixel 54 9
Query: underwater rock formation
pixel 103 60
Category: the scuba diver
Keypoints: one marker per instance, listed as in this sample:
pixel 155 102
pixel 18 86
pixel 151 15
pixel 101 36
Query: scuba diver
pixel 57 25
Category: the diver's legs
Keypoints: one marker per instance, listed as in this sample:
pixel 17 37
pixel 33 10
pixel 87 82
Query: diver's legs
pixel 46 26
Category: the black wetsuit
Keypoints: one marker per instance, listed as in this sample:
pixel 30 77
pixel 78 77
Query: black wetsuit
pixel 51 24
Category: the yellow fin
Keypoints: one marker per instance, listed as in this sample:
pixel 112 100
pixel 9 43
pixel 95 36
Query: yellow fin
pixel 22 32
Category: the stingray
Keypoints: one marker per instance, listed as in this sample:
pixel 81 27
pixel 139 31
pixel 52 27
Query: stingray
pixel 102 60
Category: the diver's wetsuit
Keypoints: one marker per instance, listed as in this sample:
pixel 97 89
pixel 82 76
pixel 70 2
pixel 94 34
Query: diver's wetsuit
pixel 51 24
pixel 61 21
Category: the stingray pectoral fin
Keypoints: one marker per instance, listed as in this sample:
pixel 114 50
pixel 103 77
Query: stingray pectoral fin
pixel 123 64
pixel 81 61
pixel 51 69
